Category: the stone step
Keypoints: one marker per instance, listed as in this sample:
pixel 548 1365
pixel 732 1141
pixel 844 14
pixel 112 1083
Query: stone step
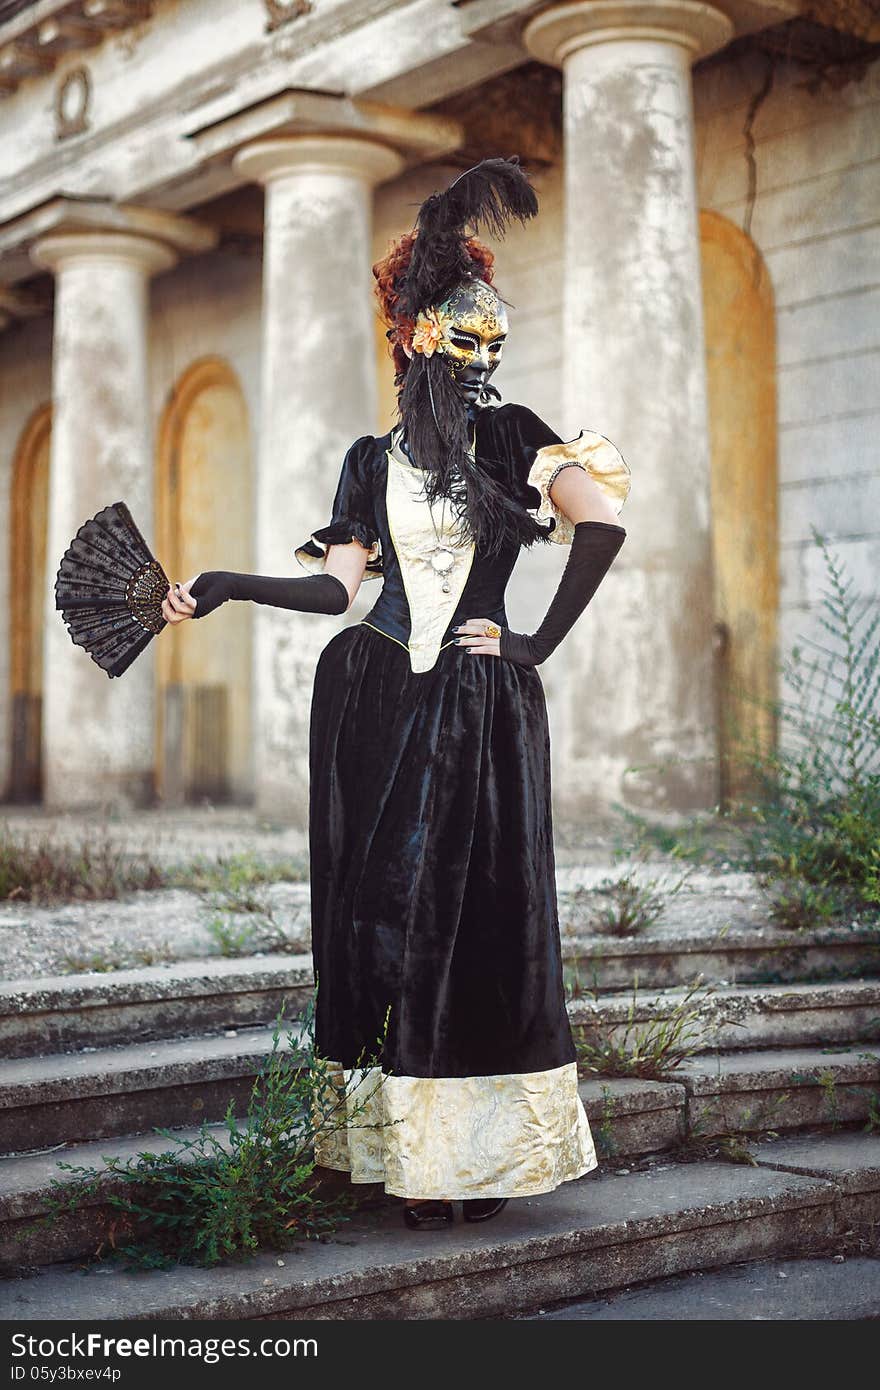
pixel 64 1013
pixel 94 1093
pixel 836 1289
pixel 629 1117
pixel 850 1160
pixel 127 1090
pixel 118 1093
pixel 736 1094
pixel 840 1287
pixel 763 955
pixel 783 1089
pixel 28 1183
pixel 600 1233
pixel 31 1183
pixel 741 1016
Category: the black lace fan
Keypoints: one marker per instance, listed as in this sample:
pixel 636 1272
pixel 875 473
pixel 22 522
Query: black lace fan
pixel 110 588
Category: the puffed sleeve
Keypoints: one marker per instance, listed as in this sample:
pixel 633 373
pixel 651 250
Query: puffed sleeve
pixel 537 454
pixel 353 515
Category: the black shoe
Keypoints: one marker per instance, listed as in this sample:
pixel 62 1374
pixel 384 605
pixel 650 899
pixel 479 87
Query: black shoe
pixel 428 1216
pixel 483 1208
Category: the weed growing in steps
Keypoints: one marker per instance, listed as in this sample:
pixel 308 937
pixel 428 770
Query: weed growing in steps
pixel 797 905
pixel 712 1132
pixel 234 879
pixel 231 940
pixel 653 1049
pixel 233 887
pixel 260 937
pixel 872 1124
pixel 46 871
pixel 212 1199
pixel 604 1130
pixel 629 907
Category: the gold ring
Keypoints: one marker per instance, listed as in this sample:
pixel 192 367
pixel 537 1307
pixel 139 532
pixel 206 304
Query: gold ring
pixel 492 630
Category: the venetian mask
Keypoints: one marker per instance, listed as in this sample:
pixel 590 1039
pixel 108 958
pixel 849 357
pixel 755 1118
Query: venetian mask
pixel 469 330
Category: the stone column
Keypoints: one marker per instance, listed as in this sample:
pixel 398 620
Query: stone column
pixel 319 394
pixel 98 733
pixel 639 679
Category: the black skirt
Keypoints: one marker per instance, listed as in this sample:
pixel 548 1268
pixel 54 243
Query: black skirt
pixel 435 925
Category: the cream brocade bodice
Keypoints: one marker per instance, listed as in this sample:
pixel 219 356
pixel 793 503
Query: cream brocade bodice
pixel 432 596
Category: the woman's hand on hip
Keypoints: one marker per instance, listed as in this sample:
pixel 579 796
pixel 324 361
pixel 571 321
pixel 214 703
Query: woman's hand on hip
pixel 472 636
pixel 178 604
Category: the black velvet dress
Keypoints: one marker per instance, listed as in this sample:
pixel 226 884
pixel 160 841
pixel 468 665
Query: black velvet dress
pixel 433 883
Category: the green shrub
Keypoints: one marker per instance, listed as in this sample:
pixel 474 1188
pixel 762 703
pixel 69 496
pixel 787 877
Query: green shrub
pixel 223 1196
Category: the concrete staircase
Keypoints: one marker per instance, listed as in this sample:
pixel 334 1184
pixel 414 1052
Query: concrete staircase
pixel 95 1062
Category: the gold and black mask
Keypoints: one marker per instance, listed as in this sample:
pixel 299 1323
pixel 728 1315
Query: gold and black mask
pixel 469 329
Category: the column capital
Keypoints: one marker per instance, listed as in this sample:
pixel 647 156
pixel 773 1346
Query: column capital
pixel 554 34
pixel 58 249
pixel 355 155
pixel 66 216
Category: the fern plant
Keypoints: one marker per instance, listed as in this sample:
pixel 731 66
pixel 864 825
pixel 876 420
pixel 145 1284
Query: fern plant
pixel 818 812
pixel 812 813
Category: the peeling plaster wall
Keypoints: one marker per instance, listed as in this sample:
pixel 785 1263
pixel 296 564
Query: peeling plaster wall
pixel 816 219
pixel 25 385
pixel 208 305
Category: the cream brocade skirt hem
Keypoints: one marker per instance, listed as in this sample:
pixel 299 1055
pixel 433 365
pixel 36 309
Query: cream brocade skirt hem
pixel 460 1137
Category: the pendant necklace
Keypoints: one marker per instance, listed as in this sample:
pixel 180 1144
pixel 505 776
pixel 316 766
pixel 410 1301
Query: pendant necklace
pixel 441 558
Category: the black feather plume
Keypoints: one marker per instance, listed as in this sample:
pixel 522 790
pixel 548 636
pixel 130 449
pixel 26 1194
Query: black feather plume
pixel 437 429
pixel 488 196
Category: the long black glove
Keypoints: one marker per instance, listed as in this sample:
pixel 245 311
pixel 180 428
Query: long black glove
pixel 593 548
pixel 310 593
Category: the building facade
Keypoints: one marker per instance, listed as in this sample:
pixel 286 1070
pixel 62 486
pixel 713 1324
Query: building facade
pixel 193 194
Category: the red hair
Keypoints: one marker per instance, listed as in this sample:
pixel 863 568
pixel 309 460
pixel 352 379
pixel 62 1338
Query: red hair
pixel 389 273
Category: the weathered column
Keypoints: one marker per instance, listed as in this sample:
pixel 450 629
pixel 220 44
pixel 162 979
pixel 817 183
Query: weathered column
pixel 639 676
pixel 98 733
pixel 319 394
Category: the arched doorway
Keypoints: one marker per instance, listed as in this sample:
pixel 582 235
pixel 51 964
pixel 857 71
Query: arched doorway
pixel 741 361
pixel 204 521
pixel 29 524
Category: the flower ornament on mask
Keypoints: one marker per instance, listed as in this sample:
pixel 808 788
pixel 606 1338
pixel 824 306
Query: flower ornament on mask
pixel 430 330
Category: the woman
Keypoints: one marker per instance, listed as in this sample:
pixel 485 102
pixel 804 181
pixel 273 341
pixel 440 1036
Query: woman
pixel 434 912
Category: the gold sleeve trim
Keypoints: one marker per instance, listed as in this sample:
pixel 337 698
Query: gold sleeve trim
pixel 460 1137
pixel 599 459
pixel 314 563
